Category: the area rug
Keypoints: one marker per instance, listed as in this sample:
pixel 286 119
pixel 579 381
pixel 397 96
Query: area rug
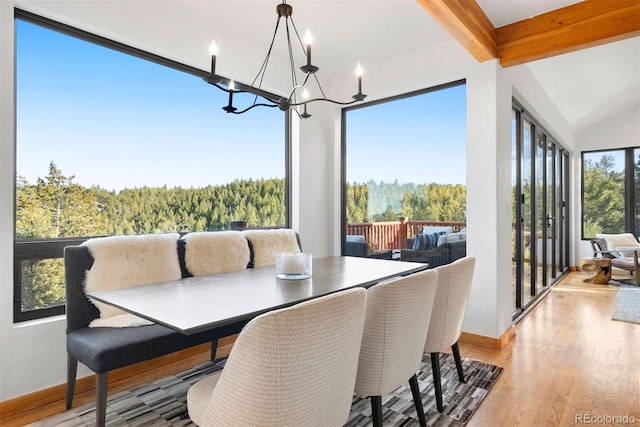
pixel 627 306
pixel 163 403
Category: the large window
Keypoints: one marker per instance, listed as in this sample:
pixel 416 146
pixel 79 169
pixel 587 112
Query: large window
pixel 112 140
pixel 610 190
pixel 404 167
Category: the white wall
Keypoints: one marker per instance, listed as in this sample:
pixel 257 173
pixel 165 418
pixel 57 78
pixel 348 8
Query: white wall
pixel 620 131
pixel 32 355
pixel 317 180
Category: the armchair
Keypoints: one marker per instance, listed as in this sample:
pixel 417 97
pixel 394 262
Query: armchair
pixel 356 245
pixel 444 254
pixel 621 258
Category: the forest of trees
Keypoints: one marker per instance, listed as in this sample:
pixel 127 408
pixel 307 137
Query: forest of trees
pixel 372 202
pixel 56 206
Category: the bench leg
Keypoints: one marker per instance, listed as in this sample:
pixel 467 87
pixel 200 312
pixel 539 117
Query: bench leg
pixel 72 370
pixel 102 381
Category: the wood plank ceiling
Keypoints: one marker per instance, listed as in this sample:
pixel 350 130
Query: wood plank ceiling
pixel 578 26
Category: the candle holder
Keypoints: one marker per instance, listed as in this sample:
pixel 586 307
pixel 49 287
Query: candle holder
pixel 293 266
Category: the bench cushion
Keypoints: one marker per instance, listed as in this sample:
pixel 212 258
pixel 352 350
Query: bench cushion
pixel 267 243
pixel 207 253
pixel 126 261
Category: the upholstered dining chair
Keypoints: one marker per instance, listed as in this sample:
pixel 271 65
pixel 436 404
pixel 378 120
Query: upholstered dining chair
pixel 393 340
pixel 290 367
pixel 449 308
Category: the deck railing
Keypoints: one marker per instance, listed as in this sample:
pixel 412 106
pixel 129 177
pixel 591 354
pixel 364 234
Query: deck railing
pixel 393 234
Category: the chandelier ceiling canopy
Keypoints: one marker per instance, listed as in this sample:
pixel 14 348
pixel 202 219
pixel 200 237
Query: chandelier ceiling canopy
pixel 298 97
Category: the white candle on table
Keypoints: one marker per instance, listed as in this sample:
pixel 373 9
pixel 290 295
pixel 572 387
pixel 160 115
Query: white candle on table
pixel 293 263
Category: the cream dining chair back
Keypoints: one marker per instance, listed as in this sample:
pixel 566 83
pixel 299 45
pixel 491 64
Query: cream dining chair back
pixel 449 308
pixel 398 313
pixel 290 367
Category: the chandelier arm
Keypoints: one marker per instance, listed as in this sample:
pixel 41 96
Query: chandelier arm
pixel 293 91
pixel 319 85
pixel 294 80
pixel 254 91
pixel 298 113
pixel 253 106
pixel 265 63
pixel 222 88
pixel 326 100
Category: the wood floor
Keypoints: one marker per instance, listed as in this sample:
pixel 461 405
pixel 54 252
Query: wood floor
pixel 569 362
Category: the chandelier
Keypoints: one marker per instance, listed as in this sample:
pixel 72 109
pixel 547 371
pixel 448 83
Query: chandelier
pixel 298 97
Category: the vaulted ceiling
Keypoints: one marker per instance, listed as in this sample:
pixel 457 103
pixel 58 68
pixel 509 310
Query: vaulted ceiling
pixel 586 54
pixel 597 78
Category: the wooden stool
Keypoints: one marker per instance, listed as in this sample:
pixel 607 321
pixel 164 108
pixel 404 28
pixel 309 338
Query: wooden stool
pixel 600 266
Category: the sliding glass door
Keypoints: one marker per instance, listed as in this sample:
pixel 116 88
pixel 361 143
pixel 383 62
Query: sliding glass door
pixel 540 228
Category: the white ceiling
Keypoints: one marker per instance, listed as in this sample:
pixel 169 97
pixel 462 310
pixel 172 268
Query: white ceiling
pixel 503 12
pixel 587 85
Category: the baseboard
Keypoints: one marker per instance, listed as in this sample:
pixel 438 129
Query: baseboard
pixel 489 342
pixel 59 392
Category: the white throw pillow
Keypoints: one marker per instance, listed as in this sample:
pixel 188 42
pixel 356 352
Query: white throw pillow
pixel 449 238
pixel 617 241
pixel 440 230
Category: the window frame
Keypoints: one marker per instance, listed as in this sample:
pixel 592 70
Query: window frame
pixel 40 249
pixel 629 190
pixel 343 144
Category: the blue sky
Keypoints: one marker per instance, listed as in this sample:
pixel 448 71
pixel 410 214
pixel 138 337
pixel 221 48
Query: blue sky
pixel 118 121
pixel 419 139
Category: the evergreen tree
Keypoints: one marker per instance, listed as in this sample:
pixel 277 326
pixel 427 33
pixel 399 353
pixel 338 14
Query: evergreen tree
pixel 603 204
pixel 54 207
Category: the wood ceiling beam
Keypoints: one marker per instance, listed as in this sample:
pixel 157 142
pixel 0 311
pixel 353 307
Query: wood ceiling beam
pixel 467 23
pixel 578 26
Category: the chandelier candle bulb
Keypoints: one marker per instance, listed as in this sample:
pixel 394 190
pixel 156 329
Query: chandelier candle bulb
pixel 230 108
pixel 308 39
pixel 359 74
pixel 305 96
pixel 213 49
